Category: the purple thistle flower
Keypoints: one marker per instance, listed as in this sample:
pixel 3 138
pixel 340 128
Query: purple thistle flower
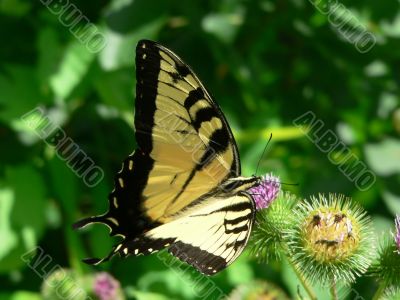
pixel 266 192
pixel 397 236
pixel 105 286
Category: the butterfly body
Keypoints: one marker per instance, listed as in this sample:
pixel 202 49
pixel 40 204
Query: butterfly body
pixel 181 189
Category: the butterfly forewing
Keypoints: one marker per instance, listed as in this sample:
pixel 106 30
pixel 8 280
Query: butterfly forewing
pixel 187 139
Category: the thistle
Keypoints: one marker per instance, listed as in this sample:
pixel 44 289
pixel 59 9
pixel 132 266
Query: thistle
pixel 106 287
pixel 386 268
pixel 331 241
pixel 391 293
pixel 266 241
pixel 265 193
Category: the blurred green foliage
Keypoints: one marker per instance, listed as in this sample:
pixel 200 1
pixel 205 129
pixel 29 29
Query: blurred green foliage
pixel 266 63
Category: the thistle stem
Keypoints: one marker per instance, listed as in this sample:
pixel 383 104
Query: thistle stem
pixel 333 290
pixel 303 281
pixel 379 292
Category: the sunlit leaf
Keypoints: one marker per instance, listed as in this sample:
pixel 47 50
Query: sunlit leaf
pixel 392 202
pixel 26 195
pixel 384 157
pixel 223 25
pixel 7 235
pixel 120 49
pixel 72 69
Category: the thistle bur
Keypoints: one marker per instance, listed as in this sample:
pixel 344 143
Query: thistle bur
pixel 266 238
pixel 266 241
pixel 331 240
pixel 386 268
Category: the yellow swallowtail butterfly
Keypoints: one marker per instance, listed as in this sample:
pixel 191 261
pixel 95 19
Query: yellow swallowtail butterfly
pixel 181 189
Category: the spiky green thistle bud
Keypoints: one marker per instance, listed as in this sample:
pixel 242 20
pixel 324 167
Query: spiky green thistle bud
pixel 331 240
pixel 387 265
pixel 266 240
pixel 391 293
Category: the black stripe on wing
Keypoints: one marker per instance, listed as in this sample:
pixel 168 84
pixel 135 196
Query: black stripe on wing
pixel 147 69
pixel 233 226
pixel 148 66
pixel 138 246
pixel 193 97
pixel 205 262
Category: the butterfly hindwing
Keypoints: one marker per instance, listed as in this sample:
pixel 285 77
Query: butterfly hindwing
pixel 221 225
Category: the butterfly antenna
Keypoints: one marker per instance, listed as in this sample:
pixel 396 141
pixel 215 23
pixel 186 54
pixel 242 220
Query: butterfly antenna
pixel 265 148
pixel 283 183
pixel 295 184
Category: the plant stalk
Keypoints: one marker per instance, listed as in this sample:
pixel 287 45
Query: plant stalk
pixel 303 281
pixel 333 290
pixel 379 292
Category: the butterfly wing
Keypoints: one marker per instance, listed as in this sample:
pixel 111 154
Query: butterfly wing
pixel 182 131
pixel 221 224
pixel 185 146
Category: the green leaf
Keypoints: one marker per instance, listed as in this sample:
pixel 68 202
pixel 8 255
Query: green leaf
pixel 392 202
pixel 16 8
pixel 7 235
pixel 125 15
pixel 24 191
pixel 223 25
pixel 23 295
pixel 49 55
pixel 384 157
pixel 139 295
pixel 120 49
pixel 387 103
pixel 20 295
pixel 64 183
pixel 392 29
pixel 115 89
pixel 382 225
pixel 19 92
pixel 376 68
pixel 72 69
pixel 240 271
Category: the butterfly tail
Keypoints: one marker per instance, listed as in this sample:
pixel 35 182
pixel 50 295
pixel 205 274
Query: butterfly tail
pixel 104 219
pixel 96 261
pixel 84 222
pixel 97 219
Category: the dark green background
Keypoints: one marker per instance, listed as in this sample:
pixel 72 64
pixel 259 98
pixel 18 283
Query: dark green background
pixel 265 62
